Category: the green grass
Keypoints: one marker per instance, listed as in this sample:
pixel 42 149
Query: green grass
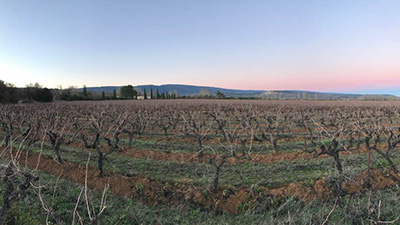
pixel 201 174
pixel 349 209
pixel 179 147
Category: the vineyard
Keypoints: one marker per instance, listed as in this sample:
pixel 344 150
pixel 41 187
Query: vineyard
pixel 200 162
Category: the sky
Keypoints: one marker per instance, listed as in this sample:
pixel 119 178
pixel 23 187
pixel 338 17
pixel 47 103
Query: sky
pixel 331 45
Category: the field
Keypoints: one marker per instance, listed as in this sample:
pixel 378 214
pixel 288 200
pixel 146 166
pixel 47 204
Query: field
pixel 200 162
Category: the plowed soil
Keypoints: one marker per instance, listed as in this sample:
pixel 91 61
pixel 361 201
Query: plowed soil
pixel 153 192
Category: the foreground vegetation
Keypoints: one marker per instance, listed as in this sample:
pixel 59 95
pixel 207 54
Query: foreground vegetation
pixel 355 209
pixel 202 162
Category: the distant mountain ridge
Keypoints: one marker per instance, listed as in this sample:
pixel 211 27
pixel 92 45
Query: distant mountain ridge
pixel 182 90
pixel 313 95
pixel 190 90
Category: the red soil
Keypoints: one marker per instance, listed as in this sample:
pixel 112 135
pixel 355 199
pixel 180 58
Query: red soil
pixel 153 192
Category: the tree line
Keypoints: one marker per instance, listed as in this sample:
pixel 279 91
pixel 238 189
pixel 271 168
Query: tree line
pixel 9 93
pixel 32 92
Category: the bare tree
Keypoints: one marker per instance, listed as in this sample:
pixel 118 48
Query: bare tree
pixel 197 126
pixel 136 124
pixel 61 128
pixel 382 136
pixel 333 138
pixel 17 182
pixel 278 126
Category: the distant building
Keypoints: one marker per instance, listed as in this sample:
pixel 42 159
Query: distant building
pixel 204 92
pixel 270 95
pixel 141 97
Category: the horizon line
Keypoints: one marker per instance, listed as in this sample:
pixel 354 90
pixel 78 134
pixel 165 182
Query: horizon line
pixel 264 90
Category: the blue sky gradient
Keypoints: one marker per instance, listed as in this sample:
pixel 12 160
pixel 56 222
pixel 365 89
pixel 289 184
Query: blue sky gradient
pixel 346 46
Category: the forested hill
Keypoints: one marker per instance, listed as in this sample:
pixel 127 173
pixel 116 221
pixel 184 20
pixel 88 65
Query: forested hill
pixel 184 90
pixel 188 90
